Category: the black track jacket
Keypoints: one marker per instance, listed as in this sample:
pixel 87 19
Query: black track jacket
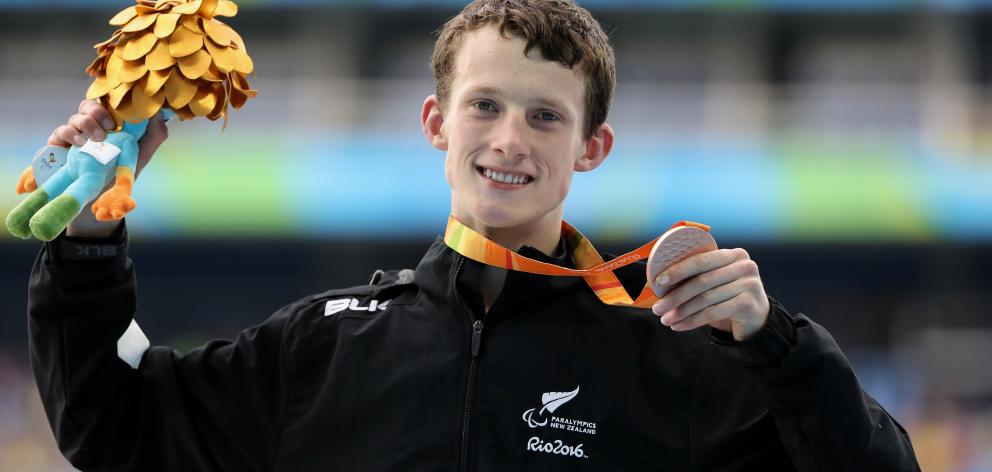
pixel 410 374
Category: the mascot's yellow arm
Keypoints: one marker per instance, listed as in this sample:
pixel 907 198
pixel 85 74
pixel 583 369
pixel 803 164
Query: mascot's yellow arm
pixel 125 179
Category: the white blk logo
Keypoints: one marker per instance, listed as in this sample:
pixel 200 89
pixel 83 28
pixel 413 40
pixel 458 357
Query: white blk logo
pixel 551 401
pixel 341 304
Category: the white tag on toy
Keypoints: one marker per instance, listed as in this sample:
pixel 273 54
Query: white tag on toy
pixel 47 161
pixel 101 151
pixel 673 246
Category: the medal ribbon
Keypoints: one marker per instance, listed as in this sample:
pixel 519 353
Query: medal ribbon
pixel 597 273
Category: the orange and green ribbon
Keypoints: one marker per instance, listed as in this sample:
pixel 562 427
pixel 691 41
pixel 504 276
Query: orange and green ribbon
pixel 591 267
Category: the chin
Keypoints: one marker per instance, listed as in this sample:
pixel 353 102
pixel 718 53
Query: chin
pixel 501 215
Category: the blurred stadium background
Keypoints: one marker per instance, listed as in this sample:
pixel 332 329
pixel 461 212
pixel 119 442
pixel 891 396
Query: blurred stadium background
pixel 847 144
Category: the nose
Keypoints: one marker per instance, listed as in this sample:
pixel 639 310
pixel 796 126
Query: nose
pixel 510 137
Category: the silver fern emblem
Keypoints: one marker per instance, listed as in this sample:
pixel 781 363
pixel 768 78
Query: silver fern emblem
pixel 553 400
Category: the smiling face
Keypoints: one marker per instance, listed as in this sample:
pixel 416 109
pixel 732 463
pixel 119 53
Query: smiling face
pixel 513 132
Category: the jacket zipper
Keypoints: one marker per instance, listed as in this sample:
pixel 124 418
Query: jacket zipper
pixel 473 368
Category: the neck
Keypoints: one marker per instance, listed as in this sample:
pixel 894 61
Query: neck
pixel 542 234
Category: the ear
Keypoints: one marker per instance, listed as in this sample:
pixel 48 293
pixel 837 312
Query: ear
pixel 431 120
pixel 597 148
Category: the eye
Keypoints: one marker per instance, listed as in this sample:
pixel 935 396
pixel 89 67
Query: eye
pixel 547 116
pixel 484 106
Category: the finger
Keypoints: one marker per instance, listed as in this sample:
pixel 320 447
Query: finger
pixel 55 140
pixel 711 314
pixel 69 135
pixel 698 264
pixel 95 110
pixel 156 133
pixel 694 286
pixel 88 126
pixel 704 300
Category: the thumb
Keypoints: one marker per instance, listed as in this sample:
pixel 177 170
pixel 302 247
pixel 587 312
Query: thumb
pixel 155 135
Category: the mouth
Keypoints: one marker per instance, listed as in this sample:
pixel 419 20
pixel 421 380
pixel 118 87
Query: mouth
pixel 502 178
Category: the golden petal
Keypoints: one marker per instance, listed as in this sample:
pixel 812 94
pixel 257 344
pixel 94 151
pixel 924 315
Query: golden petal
pixel 113 38
pixel 226 8
pixel 191 22
pixel 224 57
pixel 213 74
pixel 219 32
pixel 118 93
pixel 179 91
pixel 114 66
pixel 99 66
pixel 98 88
pixel 119 51
pixel 243 62
pixel 240 82
pixel 207 8
pixel 184 42
pixel 153 82
pixel 145 9
pixel 106 49
pixel 221 104
pixel 118 119
pixel 131 71
pixel 162 4
pixel 238 40
pixel 195 65
pixel 137 48
pixel 234 80
pixel 166 24
pixel 160 58
pixel 203 102
pixel 240 96
pixel 137 93
pixel 124 16
pixel 128 111
pixel 147 106
pixel 187 8
pixel 184 113
pixel 139 23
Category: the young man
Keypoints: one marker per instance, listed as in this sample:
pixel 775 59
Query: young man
pixel 461 365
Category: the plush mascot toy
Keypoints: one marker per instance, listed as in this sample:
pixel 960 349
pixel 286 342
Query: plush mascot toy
pixel 169 56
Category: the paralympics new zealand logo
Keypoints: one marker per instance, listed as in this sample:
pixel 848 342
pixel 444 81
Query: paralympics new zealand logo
pixel 551 401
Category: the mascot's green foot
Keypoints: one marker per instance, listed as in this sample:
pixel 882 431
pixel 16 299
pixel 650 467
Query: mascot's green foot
pixel 17 219
pixel 54 217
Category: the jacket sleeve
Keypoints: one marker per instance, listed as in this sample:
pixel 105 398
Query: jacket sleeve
pixel 826 421
pixel 112 408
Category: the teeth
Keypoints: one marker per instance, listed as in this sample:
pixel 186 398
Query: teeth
pixel 504 178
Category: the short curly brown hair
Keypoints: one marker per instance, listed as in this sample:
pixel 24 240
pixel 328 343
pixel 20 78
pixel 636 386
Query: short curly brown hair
pixel 563 32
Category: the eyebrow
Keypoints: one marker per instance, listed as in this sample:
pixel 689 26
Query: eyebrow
pixel 490 90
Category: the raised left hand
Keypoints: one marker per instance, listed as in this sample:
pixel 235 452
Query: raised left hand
pixel 719 288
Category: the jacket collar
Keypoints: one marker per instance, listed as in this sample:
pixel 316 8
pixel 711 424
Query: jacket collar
pixel 437 270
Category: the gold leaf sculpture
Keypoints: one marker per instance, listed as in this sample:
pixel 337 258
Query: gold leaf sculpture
pixel 175 54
